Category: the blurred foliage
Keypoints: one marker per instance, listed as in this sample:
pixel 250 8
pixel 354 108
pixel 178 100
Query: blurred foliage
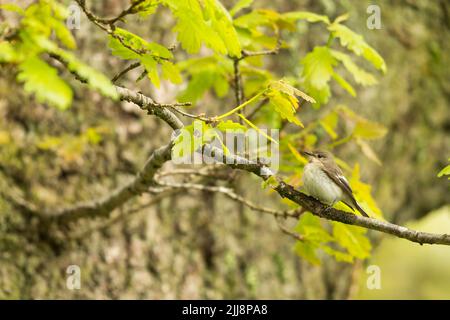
pixel 411 272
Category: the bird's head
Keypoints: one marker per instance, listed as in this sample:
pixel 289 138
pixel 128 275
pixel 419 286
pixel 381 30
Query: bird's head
pixel 318 155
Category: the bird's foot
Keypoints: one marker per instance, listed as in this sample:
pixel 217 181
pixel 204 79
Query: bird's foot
pixel 326 209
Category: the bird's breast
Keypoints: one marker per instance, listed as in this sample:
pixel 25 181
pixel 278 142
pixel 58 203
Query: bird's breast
pixel 319 185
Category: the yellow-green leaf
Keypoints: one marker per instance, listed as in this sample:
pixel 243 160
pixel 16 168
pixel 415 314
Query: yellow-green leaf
pixel 231 126
pixel 368 151
pixel 305 15
pixel 170 72
pixel 353 239
pixel 241 4
pixel 369 130
pixel 43 81
pixel 297 154
pixel 361 76
pixel 344 84
pixel 445 171
pixel 356 43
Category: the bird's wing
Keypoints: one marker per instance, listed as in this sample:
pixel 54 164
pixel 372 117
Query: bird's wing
pixel 338 178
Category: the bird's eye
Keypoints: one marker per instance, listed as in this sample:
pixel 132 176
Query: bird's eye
pixel 319 156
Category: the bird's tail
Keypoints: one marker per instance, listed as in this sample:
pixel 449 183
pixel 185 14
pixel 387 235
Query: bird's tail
pixel 360 209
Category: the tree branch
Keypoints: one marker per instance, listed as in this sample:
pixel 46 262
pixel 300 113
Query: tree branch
pixel 232 195
pixel 103 206
pixel 323 211
pixel 124 71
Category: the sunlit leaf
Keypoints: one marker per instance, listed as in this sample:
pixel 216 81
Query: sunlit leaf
pixel 151 66
pixel 43 81
pixel 329 123
pixel 297 155
pixel 231 126
pixel 12 7
pixel 368 151
pixel 241 4
pixel 353 239
pixel 444 171
pixel 361 76
pixel 305 15
pixel 317 72
pixel 356 43
pixel 369 130
pixel 170 72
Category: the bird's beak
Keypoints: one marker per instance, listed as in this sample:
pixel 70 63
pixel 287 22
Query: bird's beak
pixel 307 153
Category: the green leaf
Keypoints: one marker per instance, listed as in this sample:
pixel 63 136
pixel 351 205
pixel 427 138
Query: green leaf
pixel 63 33
pixel 283 98
pixel 445 171
pixel 309 226
pixel 241 4
pixel 263 18
pixel 356 43
pixel 368 151
pixel 221 86
pixel 151 66
pixel 223 25
pixel 197 86
pixel 7 52
pixel 361 76
pixel 231 126
pixel 147 8
pixel 12 7
pixel 284 106
pixel 353 239
pixel 344 84
pixel 138 46
pixel 368 129
pixel 338 255
pixel 305 15
pixel 191 138
pixel 307 251
pixel 118 50
pixel 171 72
pixel 362 192
pixel 286 88
pixel 329 123
pixel 297 155
pixel 43 81
pixel 95 79
pixel 364 128
pixel 208 23
pixel 317 72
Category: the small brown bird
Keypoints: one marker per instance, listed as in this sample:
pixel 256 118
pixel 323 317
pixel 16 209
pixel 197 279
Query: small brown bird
pixel 324 180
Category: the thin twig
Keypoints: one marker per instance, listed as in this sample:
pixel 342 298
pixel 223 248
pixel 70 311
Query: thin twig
pixel 230 194
pixel 109 28
pixel 129 10
pixel 285 230
pixel 256 109
pixel 201 117
pixel 124 71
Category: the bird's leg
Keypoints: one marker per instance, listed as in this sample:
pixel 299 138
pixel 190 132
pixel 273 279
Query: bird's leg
pixel 326 208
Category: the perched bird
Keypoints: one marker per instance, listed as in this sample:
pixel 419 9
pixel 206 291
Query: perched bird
pixel 324 180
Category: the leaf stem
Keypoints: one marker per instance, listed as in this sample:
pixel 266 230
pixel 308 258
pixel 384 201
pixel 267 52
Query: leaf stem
pixel 241 106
